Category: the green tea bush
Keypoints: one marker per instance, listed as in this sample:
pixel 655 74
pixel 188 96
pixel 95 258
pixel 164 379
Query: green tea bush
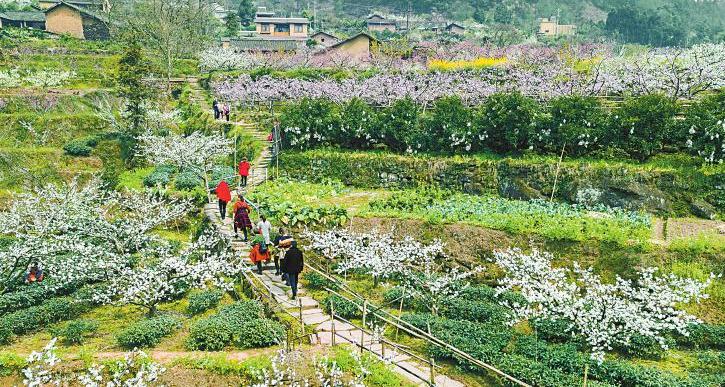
pixel 161 176
pixel 476 311
pixel 233 324
pixel 318 282
pixel 39 316
pixel 33 294
pixel 220 172
pixel 79 147
pixel 187 181
pixel 210 334
pixel 394 295
pixel 644 347
pixel 343 308
pixel 203 301
pixel 259 333
pixel 554 331
pixel 147 332
pixel 510 121
pixel 75 331
pixel 704 336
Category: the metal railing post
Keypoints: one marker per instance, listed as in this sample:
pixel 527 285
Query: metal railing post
pixel 301 322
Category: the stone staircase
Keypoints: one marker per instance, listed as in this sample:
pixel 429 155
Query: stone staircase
pixel 322 328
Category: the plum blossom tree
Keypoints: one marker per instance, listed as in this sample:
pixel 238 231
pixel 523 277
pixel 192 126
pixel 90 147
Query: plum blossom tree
pixel 196 152
pixel 602 314
pixel 205 262
pixel 81 233
pixel 135 370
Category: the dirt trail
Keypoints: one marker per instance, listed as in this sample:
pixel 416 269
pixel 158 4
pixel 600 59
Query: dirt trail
pixel 665 230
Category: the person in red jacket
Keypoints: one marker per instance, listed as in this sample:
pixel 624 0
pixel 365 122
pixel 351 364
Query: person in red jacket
pixel 225 196
pixel 244 171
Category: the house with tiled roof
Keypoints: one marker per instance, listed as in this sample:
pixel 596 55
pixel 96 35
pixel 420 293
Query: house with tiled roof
pixel 22 19
pixel 82 23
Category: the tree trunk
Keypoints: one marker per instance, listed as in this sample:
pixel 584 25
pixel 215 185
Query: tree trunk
pixel 586 373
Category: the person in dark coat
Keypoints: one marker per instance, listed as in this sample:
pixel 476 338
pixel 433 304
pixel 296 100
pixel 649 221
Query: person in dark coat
pixel 215 106
pixel 293 265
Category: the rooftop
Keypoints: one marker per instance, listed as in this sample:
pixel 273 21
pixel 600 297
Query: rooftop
pixel 296 20
pixel 29 16
pixel 266 44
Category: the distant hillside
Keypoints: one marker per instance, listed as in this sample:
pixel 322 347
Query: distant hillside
pixel 656 22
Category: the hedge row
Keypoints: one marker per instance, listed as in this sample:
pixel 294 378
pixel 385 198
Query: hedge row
pixel 505 123
pixel 39 316
pixel 540 363
pixel 29 295
pixel 241 324
pixel 148 332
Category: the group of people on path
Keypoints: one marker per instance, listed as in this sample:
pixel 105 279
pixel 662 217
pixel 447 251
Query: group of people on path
pixel 221 111
pixel 288 259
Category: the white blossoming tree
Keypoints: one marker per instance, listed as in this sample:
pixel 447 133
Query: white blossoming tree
pixel 135 370
pixel 602 314
pixel 196 152
pixel 419 266
pixel 206 262
pixel 80 232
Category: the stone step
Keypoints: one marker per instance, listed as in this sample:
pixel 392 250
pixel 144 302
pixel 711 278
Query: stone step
pixel 352 337
pixel 339 326
pixel 314 319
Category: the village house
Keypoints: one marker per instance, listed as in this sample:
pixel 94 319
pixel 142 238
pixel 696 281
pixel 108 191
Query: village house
pixel 357 48
pixel 378 23
pixel 91 5
pixel 551 27
pixel 28 19
pixel 455 28
pixel 262 44
pixel 269 25
pixel 79 22
pixel 324 39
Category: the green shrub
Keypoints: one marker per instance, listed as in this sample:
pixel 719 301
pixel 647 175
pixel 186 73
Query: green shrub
pixel 702 131
pixel 400 124
pixel 509 120
pixel 220 172
pixel 577 122
pixel 203 301
pixel 33 294
pixel 555 331
pixel 477 311
pixel 310 122
pixel 704 336
pixel 359 126
pixel 644 347
pixel 74 331
pixel 219 330
pixel 78 147
pixel 209 334
pixel 394 295
pixel 160 176
pixel 259 333
pixel 147 332
pixel 343 308
pixel 450 127
pixel 642 124
pixel 187 181
pixel 318 282
pixel 39 316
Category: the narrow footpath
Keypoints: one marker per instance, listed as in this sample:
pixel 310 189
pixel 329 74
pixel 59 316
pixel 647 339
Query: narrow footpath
pixel 314 318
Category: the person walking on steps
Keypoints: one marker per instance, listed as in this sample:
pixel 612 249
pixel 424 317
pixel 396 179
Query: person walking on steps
pixel 264 227
pixel 282 242
pixel 215 106
pixel 227 110
pixel 259 253
pixel 244 171
pixel 241 217
pixel 293 265
pixel 225 196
